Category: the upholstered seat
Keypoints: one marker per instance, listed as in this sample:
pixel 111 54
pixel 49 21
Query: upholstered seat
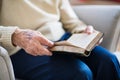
pixel 103 18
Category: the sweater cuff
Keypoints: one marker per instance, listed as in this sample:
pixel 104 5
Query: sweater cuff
pixel 6 37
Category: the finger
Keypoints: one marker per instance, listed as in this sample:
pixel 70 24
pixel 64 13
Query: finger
pixel 40 49
pixel 100 41
pixel 44 41
pixel 31 47
pixel 43 51
pixel 89 29
pixel 30 51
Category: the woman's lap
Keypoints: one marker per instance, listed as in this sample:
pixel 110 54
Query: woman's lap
pixel 60 67
pixel 103 64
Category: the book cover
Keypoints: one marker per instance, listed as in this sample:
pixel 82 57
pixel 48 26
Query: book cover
pixel 81 43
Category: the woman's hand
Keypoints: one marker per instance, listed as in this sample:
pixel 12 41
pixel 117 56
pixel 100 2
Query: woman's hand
pixel 32 42
pixel 90 30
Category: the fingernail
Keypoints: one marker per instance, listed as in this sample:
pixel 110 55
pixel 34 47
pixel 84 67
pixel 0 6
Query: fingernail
pixel 52 43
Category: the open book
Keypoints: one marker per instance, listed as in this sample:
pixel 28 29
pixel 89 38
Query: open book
pixel 81 43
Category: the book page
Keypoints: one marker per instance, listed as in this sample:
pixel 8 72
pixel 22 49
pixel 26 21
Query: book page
pixel 82 40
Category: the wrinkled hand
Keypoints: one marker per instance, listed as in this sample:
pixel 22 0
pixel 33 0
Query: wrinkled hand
pixel 90 30
pixel 32 42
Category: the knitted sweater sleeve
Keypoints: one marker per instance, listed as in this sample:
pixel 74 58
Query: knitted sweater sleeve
pixel 69 19
pixel 6 38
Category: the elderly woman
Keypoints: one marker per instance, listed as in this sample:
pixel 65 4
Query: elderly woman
pixel 27 26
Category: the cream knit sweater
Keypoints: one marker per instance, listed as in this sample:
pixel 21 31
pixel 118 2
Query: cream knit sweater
pixel 51 17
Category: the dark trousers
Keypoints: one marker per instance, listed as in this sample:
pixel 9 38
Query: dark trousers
pixel 100 65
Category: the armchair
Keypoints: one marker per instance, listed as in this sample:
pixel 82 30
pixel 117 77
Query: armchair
pixel 6 69
pixel 103 18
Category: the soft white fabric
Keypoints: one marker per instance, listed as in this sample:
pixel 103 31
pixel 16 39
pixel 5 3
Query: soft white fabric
pixel 6 69
pixel 51 17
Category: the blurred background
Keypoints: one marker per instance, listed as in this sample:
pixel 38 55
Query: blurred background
pixel 95 2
